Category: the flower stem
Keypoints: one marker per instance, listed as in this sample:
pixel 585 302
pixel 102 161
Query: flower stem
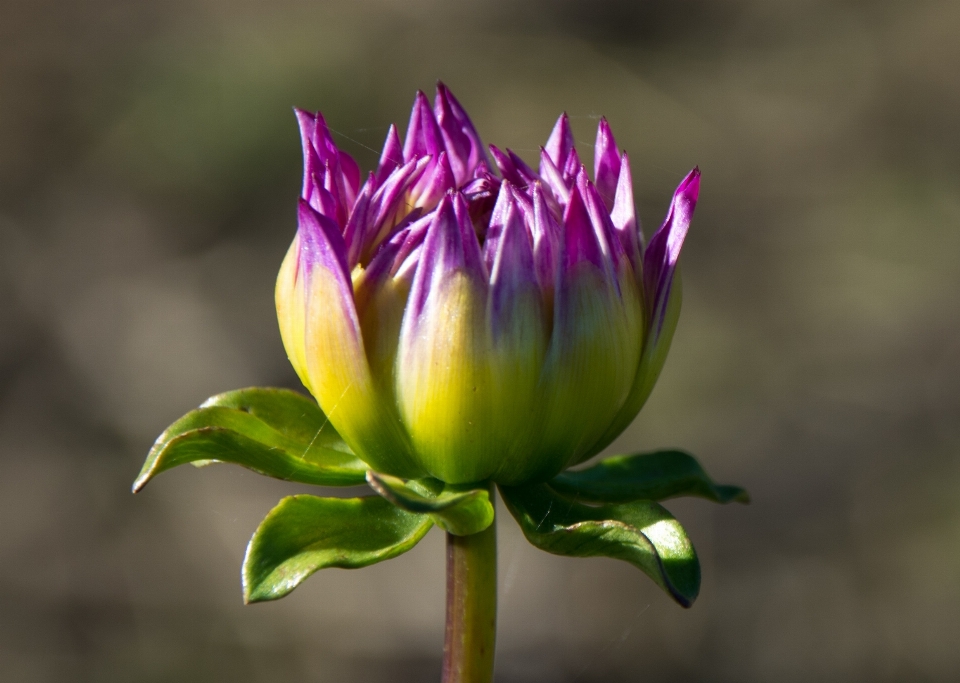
pixel 471 607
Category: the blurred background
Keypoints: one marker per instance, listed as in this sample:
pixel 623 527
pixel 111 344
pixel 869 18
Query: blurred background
pixel 149 169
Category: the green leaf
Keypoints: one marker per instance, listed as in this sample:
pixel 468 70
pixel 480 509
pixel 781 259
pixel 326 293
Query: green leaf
pixel 305 533
pixel 647 476
pixel 294 415
pixel 642 533
pixel 458 510
pixel 275 432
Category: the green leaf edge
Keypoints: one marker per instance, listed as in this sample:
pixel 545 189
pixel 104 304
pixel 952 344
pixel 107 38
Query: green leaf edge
pixel 462 511
pixel 251 594
pixel 163 454
pixel 663 579
pixel 583 484
pixel 264 402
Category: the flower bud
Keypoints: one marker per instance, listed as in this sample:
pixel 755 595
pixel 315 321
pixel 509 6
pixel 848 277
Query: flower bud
pixel 471 327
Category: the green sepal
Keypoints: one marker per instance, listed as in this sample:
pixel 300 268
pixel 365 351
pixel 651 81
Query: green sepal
pixel 646 476
pixel 459 510
pixel 291 413
pixel 642 533
pixel 275 432
pixel 305 533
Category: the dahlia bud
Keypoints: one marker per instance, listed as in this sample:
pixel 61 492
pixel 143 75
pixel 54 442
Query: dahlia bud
pixel 470 326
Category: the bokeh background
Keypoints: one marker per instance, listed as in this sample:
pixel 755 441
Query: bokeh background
pixel 149 167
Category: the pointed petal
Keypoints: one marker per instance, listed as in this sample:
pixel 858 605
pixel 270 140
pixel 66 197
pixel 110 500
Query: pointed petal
pixel 648 371
pixel 391 158
pixel 455 139
pixel 343 173
pixel 554 178
pixel 546 244
pixel 624 215
pixel 663 251
pixel 423 135
pixel 498 217
pixel 512 167
pixel 560 143
pixel 358 223
pixel 527 173
pixel 380 269
pixel 333 183
pixel 524 199
pixel 311 162
pixel 435 182
pixel 291 311
pixel 594 347
pixel 336 364
pixel 453 119
pixel 381 299
pixel 512 273
pixel 606 237
pixel 317 239
pixel 572 167
pixel 321 244
pixel 442 379
pixel 411 241
pixel 664 293
pixel 472 258
pixel 606 163
pixel 587 371
pixel 320 199
pixel 445 250
pixel 518 334
pixel 579 238
pixel 391 192
pixel 307 123
pixel 323 141
pixel 351 175
pixel 406 269
pixel 387 205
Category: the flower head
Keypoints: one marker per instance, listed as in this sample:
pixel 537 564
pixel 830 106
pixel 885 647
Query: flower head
pixel 474 321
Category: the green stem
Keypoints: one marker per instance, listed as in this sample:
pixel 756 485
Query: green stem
pixel 471 607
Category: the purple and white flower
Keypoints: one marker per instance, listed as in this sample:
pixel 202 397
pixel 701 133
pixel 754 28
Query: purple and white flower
pixel 470 320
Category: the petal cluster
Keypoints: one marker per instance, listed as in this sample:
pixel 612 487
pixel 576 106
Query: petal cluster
pixel 474 321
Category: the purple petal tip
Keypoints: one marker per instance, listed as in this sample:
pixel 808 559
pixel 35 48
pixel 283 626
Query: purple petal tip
pixel 580 240
pixel 560 143
pixel 691 183
pixel 321 241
